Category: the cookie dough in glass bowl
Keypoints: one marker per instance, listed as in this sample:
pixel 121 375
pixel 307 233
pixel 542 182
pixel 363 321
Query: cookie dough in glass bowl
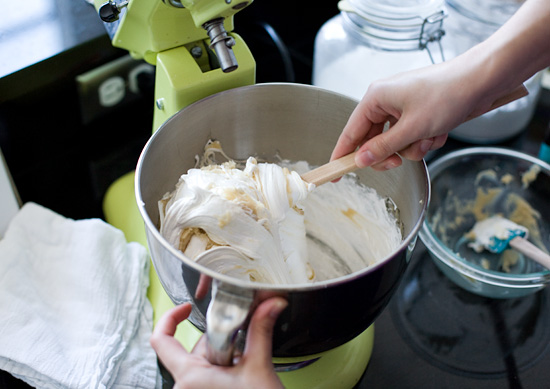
pixel 473 184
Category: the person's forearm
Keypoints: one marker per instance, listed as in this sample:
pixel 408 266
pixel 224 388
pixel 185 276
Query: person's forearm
pixel 426 104
pixel 519 49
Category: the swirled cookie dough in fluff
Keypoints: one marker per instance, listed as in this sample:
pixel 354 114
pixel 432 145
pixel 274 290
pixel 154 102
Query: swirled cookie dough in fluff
pixel 284 230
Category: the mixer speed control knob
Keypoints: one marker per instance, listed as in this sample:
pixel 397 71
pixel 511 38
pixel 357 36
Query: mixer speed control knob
pixel 109 11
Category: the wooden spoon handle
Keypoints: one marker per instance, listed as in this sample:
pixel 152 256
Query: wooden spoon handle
pixel 346 164
pixel 331 171
pixel 530 250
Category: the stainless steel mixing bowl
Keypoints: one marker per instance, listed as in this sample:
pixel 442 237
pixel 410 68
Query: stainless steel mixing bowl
pixel 297 122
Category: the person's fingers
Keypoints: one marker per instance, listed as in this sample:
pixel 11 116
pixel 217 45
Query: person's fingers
pixel 347 145
pixel 414 152
pixel 391 162
pixel 357 131
pixel 418 150
pixel 260 330
pixel 162 339
pixel 203 287
pixel 168 323
pixel 200 346
pixel 388 143
pixel 439 141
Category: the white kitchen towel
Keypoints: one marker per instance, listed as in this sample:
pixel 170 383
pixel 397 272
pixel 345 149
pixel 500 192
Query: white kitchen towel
pixel 73 306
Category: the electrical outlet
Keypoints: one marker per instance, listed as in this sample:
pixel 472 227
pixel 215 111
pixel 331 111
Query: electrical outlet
pixel 105 88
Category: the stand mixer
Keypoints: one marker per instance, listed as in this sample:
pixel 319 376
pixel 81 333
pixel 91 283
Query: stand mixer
pixel 196 55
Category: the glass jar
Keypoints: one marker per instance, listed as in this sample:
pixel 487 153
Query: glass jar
pixel 469 23
pixel 372 39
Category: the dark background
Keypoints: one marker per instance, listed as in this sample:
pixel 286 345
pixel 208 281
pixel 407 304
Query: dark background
pixel 61 163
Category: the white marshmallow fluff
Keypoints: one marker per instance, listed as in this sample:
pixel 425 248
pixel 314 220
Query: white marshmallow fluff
pixel 281 230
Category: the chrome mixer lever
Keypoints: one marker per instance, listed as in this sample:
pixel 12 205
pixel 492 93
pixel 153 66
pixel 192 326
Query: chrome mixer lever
pixel 222 44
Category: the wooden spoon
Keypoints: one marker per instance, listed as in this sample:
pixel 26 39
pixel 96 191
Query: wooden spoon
pixel 346 164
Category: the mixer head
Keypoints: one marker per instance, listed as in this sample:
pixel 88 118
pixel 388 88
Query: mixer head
pixel 146 27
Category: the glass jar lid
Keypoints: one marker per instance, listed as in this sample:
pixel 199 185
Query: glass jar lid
pixel 396 12
pixel 395 24
pixel 494 12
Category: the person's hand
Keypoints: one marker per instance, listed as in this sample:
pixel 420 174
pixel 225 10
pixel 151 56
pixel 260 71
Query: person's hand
pixel 192 370
pixel 424 105
pixel 420 113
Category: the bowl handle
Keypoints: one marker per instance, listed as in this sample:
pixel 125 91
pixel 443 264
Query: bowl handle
pixel 226 315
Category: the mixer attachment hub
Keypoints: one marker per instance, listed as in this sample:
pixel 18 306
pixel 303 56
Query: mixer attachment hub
pixel 222 44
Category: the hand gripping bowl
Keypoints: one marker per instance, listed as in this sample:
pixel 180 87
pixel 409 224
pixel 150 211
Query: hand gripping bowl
pixel 297 122
pixel 502 179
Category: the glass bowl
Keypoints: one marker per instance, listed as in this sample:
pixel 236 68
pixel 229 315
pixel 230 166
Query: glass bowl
pixel 471 184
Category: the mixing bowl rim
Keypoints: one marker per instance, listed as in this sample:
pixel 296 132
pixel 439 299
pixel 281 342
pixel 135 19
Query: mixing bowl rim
pixel 444 254
pixel 442 161
pixel 449 257
pixel 152 228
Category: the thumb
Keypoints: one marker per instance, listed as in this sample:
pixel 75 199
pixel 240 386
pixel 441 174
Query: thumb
pixel 260 330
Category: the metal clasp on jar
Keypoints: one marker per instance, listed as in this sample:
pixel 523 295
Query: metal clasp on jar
pixel 428 35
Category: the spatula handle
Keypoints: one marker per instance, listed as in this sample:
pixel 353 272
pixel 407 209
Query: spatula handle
pixel 530 250
pixel 331 171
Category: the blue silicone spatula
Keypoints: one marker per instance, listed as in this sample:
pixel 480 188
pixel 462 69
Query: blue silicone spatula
pixel 497 233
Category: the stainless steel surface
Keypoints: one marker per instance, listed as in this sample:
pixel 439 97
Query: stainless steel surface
pixel 226 314
pixel 296 122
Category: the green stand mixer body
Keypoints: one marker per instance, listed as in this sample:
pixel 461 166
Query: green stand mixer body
pixel 173 39
pixel 171 35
